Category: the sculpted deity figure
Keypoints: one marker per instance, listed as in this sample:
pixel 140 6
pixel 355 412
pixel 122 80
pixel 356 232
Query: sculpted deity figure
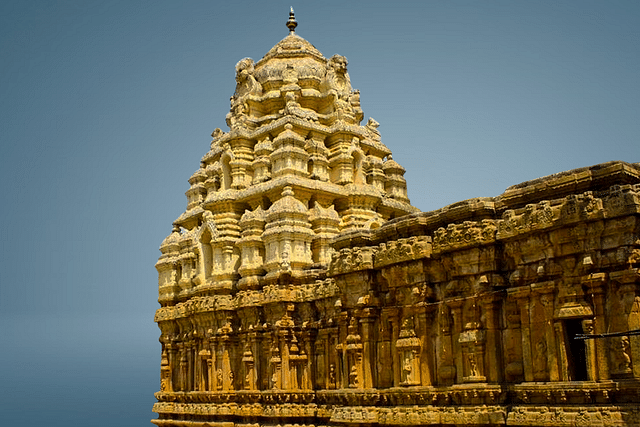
pixel 407 367
pixel 540 359
pixel 337 76
pixel 621 355
pixel 293 108
pixel 473 366
pixel 338 82
pixel 353 377
pixel 372 128
pixel 332 376
pixel 246 85
pixel 219 378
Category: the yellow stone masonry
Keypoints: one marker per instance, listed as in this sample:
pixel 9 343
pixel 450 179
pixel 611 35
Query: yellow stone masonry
pixel 301 288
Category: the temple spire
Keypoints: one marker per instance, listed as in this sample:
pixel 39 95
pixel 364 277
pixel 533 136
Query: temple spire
pixel 291 23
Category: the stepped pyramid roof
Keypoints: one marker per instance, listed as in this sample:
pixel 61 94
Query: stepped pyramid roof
pixel 295 150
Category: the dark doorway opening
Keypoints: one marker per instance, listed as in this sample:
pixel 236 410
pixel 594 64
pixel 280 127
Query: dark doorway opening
pixel 576 351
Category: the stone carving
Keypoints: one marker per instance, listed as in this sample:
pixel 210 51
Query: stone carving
pixel 301 287
pixel 409 348
pixel 469 233
pixel 621 355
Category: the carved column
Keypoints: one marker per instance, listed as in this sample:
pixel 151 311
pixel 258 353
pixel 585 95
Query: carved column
pixel 522 296
pixel 165 374
pixel 285 377
pixel 595 283
pixel 275 366
pixel 190 349
pixel 182 379
pixel 425 319
pixel 213 384
pixel 590 351
pixel 225 373
pixel 395 334
pixel 367 322
pixel 544 356
pixel 354 355
pixel 321 360
pixel 342 370
pixel 384 378
pixel 249 364
pixel 513 344
pixel 446 369
pixel 204 363
pixel 547 300
pixel 493 358
pixel 562 351
pixel 309 367
pixel 456 314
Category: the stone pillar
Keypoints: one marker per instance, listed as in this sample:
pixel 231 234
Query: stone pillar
pixel 213 363
pixel 493 368
pixel 395 364
pixel 165 374
pixel 590 351
pixel 342 370
pixel 456 314
pixel 595 283
pixel 321 355
pixel 284 355
pixel 446 369
pixel 227 371
pixel 368 343
pixel 309 367
pixel 249 381
pixel 182 378
pixel 425 318
pixel 522 296
pixel 546 293
pixel 384 358
pixel 562 350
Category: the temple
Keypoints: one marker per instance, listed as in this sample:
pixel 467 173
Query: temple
pixel 301 288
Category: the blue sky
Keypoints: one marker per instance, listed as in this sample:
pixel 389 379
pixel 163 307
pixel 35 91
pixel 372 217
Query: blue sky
pixel 107 108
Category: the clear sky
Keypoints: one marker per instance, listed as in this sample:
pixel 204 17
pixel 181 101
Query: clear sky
pixel 107 107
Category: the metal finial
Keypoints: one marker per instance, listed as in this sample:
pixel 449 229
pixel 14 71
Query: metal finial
pixel 291 23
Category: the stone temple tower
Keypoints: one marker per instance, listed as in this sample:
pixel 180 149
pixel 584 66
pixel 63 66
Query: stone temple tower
pixel 249 256
pixel 296 169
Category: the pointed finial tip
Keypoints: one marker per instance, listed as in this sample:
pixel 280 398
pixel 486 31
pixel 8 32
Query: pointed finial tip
pixel 291 23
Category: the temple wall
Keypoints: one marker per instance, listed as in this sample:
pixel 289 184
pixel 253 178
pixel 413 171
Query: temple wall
pixel 469 321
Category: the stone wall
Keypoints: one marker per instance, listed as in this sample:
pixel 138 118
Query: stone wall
pixel 466 315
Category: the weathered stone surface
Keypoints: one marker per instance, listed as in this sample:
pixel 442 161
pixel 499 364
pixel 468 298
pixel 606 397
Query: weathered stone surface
pixel 300 287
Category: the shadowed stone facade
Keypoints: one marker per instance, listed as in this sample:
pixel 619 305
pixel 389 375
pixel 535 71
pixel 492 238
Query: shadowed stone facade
pixel 301 288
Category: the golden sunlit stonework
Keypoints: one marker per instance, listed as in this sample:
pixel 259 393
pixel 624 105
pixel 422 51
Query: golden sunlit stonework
pixel 300 287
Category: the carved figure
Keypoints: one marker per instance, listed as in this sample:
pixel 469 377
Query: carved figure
pixel 353 377
pixel 246 83
pixel 407 367
pixel 473 367
pixel 337 76
pixel 622 355
pixel 332 376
